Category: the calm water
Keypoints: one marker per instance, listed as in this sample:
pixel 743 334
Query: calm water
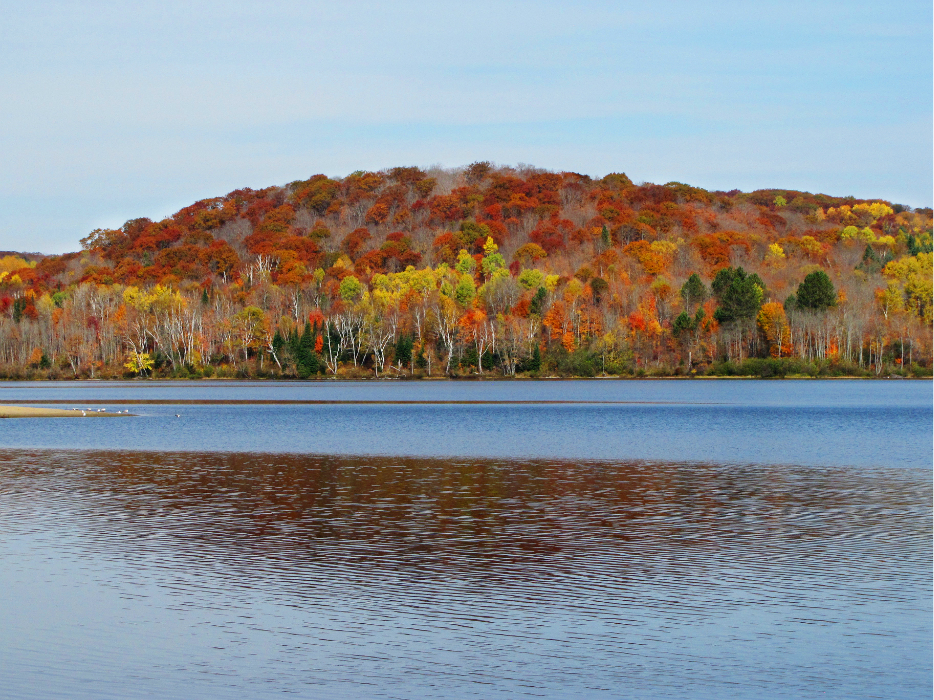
pixel 655 540
pixel 833 423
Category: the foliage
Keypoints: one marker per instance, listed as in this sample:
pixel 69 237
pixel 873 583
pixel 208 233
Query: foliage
pixel 140 364
pixel 694 291
pixel 816 292
pixel 740 294
pixel 350 288
pixel 488 269
pixel 764 368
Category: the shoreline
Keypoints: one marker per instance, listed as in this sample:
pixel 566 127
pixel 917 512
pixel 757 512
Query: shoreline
pixel 322 378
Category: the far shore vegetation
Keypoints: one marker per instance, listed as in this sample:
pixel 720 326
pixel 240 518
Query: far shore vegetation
pixel 556 365
pixel 483 272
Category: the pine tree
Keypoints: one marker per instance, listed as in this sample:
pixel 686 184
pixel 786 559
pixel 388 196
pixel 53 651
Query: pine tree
pixel 816 292
pixel 693 291
pixel 605 237
pixel 870 264
pixel 19 306
pixel 535 362
pixel 277 342
pixel 403 350
pixel 538 302
pixel 306 361
pixel 740 295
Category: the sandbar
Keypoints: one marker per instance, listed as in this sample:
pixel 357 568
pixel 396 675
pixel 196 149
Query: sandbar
pixel 38 412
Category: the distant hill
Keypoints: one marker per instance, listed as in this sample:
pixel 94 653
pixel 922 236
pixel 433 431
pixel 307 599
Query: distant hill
pixel 537 270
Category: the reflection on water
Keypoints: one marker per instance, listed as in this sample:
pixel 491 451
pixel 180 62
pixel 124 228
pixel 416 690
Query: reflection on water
pixel 142 574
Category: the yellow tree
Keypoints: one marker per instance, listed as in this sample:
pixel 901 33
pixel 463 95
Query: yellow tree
pixel 139 363
pixel 249 326
pixel 446 315
pixel 423 285
pixel 915 277
pixel 774 323
pixel 383 314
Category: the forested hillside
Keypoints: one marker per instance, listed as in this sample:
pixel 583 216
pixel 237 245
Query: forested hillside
pixel 482 271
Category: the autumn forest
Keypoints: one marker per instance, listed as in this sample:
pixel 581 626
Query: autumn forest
pixel 482 271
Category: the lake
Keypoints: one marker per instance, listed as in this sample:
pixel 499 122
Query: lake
pixel 566 539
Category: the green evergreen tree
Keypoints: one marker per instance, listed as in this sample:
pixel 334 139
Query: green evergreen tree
pixel 682 324
pixel 307 342
pixel 816 292
pixel 277 342
pixel 19 306
pixel 535 362
pixel 403 349
pixel 605 237
pixel 599 286
pixel 870 264
pixel 538 302
pixel 693 291
pixel 723 279
pixel 740 295
pixel 306 362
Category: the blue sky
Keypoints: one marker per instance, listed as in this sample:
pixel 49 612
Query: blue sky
pixel 113 110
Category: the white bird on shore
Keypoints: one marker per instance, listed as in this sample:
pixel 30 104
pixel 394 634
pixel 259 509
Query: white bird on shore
pixel 83 413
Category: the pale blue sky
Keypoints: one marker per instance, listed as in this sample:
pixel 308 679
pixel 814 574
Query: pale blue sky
pixel 113 110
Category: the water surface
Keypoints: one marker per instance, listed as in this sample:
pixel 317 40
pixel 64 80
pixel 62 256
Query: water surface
pixel 773 540
pixel 809 423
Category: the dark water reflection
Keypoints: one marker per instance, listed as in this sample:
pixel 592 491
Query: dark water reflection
pixel 190 575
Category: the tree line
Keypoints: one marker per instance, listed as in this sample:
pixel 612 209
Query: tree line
pixel 482 271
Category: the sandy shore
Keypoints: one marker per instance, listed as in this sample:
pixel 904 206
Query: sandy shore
pixel 31 412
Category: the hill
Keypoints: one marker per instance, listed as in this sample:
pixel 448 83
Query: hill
pixel 482 270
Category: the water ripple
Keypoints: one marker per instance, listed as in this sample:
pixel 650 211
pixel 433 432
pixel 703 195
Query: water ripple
pixel 145 574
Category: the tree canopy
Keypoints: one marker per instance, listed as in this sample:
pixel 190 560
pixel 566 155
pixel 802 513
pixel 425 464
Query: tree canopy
pixel 477 270
pixel 816 292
